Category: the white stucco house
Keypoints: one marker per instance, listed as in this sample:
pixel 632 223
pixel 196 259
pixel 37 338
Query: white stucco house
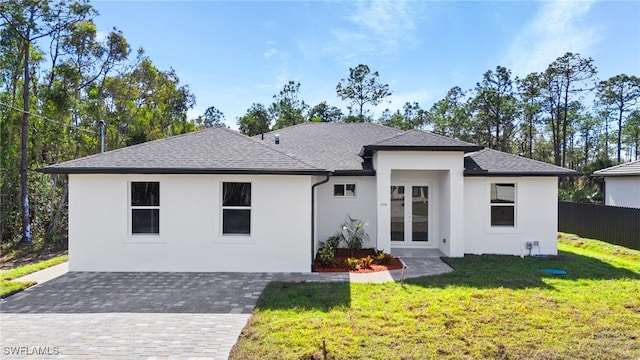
pixel 621 184
pixel 216 200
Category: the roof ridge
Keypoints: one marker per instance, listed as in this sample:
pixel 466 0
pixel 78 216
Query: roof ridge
pixel 263 144
pixel 617 166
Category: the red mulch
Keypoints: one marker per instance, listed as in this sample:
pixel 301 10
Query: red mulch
pixel 342 254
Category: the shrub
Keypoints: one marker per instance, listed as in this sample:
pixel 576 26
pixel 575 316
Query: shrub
pixel 366 262
pixel 383 258
pixel 326 254
pixel 351 263
pixel 334 241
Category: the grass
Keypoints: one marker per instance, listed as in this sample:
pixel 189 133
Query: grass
pixel 491 307
pixel 9 287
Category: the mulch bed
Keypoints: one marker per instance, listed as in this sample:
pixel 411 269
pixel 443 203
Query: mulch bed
pixel 342 254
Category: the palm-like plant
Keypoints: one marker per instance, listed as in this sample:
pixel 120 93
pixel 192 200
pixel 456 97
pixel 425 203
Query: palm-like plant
pixel 353 234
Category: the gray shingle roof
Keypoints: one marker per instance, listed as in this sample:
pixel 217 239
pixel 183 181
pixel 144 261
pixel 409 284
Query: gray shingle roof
pixel 422 138
pixel 628 169
pixel 419 140
pixel 310 148
pixel 215 150
pixel 332 146
pixel 488 162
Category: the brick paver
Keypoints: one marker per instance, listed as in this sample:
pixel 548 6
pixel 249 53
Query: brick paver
pixel 89 315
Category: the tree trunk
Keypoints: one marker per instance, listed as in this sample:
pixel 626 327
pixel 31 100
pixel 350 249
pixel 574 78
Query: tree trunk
pixel 24 203
pixel 620 131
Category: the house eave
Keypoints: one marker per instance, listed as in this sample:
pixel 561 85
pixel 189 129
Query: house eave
pixel 368 172
pixel 614 175
pixel 476 173
pixel 132 170
pixel 369 150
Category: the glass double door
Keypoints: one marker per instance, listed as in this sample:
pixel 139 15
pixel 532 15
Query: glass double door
pixel 410 214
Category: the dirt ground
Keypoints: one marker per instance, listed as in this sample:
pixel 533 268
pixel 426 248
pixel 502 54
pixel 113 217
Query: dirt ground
pixel 10 261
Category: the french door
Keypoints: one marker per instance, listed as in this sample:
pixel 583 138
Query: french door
pixel 410 215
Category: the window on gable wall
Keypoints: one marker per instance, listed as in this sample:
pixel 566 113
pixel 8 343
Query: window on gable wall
pixel 145 207
pixel 344 190
pixel 236 208
pixel 503 205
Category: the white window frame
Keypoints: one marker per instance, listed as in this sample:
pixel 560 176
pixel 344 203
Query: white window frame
pixel 223 207
pixel 513 204
pixel 142 237
pixel 344 190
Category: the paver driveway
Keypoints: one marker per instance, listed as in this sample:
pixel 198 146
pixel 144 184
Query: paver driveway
pixel 151 315
pixel 130 315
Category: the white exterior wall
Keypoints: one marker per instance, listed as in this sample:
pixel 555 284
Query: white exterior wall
pixel 190 236
pixel 536 216
pixel 622 191
pixel 447 168
pixel 332 211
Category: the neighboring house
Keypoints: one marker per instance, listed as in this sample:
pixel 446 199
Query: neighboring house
pixel 621 184
pixel 216 200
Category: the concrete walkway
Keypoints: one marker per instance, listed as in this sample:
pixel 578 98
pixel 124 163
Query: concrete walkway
pixel 91 315
pixel 47 274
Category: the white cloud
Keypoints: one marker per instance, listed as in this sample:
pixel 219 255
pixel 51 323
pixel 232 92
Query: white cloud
pixel 375 27
pixel 269 53
pixel 556 29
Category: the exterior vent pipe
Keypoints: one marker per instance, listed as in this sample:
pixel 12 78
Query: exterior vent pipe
pixel 277 139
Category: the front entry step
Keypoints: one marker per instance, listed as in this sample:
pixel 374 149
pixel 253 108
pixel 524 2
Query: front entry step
pixel 416 252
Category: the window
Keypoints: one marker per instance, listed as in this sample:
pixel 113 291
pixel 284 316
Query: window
pixel 145 207
pixel 503 205
pixel 344 190
pixel 236 208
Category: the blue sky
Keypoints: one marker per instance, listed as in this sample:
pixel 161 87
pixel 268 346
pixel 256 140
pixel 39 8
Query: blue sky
pixel 232 54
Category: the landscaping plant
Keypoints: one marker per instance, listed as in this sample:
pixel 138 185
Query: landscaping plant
pixel 353 234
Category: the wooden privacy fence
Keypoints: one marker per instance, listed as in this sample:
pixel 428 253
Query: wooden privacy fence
pixel 615 225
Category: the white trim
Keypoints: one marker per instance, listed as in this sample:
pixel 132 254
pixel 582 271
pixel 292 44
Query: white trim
pixel 408 190
pixel 142 238
pixel 345 196
pixel 237 238
pixel 503 229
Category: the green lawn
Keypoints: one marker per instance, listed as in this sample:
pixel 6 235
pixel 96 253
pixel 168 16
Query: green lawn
pixel 491 307
pixel 9 287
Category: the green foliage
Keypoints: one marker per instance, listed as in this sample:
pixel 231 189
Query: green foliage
pixel 366 262
pixel 325 113
pixel 353 234
pixel 82 80
pixel 490 307
pixel 326 254
pixel 412 117
pixel 334 241
pixel 361 88
pixel 31 268
pixel 494 108
pixel 9 287
pixel 351 263
pixel 288 109
pixel 255 122
pixel 620 92
pixel 212 118
pixel 327 250
pixel 383 258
